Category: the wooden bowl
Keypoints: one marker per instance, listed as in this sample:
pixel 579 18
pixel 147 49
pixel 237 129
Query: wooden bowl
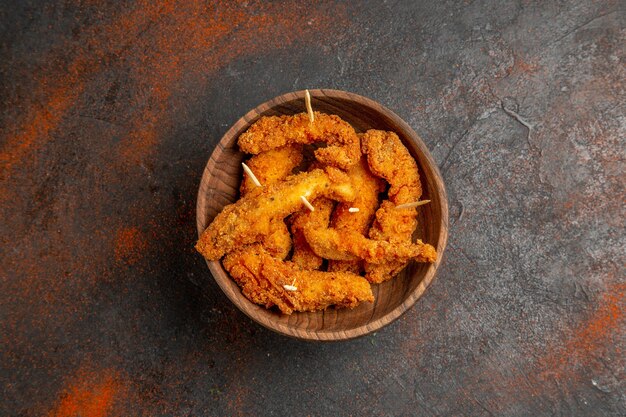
pixel 220 186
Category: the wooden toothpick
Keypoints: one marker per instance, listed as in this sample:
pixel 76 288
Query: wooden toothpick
pixel 253 177
pixel 306 203
pixel 309 109
pixel 413 204
pixel 291 287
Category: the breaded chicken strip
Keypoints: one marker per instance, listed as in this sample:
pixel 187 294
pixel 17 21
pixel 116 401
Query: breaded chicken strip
pixel 367 188
pixel 390 245
pixel 269 168
pixel 272 132
pixel 252 217
pixel 349 245
pixel 263 278
pixel 389 159
pixel 303 255
pixel 272 166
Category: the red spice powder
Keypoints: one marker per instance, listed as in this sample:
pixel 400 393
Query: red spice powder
pixel 593 334
pixel 163 53
pixel 92 395
pixel 524 65
pixel 61 90
pixel 161 41
pixel 199 39
pixel 587 341
pixel 130 245
pixel 39 126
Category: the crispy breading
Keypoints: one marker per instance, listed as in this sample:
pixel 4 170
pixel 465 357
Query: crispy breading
pixel 303 255
pixel 250 219
pixel 347 241
pixel 360 235
pixel 349 245
pixel 389 159
pixel 367 188
pixel 263 278
pixel 278 242
pixel 271 166
pixel 272 132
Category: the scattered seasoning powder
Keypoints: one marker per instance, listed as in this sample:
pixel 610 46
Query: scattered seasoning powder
pixel 62 89
pixel 130 245
pixel 608 318
pixel 170 40
pixel 92 395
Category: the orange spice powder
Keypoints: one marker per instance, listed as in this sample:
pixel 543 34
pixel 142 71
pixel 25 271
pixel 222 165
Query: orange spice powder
pixel 161 42
pixel 90 396
pixel 39 126
pixel 607 319
pixel 589 338
pixel 130 245
pixel 63 89
pixel 198 40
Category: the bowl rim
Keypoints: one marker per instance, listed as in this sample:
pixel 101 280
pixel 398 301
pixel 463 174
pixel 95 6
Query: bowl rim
pixel 215 267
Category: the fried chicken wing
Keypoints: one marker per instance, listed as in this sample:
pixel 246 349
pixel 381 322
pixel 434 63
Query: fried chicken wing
pixel 367 189
pixel 251 218
pixel 303 255
pixel 263 278
pixel 271 132
pixel 389 159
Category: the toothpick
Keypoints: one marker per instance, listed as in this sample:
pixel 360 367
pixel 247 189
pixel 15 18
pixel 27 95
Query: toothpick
pixel 306 203
pixel 253 177
pixel 309 109
pixel 413 204
pixel 291 287
pixel 353 209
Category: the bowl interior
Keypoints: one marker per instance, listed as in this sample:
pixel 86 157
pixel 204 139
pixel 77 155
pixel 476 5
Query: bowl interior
pixel 220 184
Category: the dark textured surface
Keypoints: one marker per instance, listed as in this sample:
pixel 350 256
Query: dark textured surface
pixel 109 111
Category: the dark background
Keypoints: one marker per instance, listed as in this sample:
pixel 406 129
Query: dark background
pixel 109 111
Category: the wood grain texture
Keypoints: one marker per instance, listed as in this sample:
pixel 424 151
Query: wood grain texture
pixel 220 184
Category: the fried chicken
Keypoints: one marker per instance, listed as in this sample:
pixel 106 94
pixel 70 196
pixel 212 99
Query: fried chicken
pixel 349 245
pixel 272 166
pixel 251 218
pixel 270 282
pixel 367 189
pixel 389 159
pixel 272 132
pixel 303 255
pixel 269 168
pixel 348 226
pixel 346 241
